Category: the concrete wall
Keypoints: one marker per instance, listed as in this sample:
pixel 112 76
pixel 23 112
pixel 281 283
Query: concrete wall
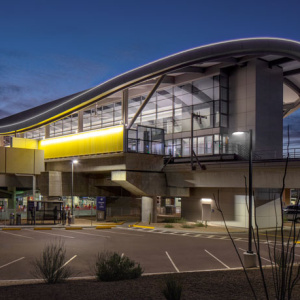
pixel 21 161
pixel 256 102
pixel 233 203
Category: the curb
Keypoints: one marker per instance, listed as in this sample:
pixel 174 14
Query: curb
pixel 105 227
pixel 42 228
pixel 145 227
pixel 13 228
pixel 73 228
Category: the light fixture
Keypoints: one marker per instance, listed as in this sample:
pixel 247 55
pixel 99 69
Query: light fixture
pixel 206 200
pixel 81 136
pixel 238 133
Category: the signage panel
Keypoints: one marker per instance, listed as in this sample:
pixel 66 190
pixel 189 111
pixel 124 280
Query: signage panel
pixel 101 203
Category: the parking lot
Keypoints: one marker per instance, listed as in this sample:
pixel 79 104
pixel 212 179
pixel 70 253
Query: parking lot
pixel 158 251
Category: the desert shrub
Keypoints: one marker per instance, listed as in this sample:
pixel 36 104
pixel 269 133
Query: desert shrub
pixel 174 220
pixel 187 226
pixel 50 266
pixel 169 226
pixel 173 289
pixel 111 266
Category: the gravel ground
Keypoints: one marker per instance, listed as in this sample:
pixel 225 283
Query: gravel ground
pixel 223 285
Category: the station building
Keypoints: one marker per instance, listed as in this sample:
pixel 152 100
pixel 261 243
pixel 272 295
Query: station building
pixel 170 137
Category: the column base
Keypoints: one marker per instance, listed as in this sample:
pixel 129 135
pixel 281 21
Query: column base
pixel 250 260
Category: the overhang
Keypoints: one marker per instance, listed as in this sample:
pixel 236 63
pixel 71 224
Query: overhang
pixel 277 52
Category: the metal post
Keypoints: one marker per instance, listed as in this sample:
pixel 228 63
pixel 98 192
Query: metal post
pixel 192 141
pixel 250 194
pixel 72 199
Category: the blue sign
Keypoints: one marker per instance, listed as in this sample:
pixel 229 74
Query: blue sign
pixel 101 203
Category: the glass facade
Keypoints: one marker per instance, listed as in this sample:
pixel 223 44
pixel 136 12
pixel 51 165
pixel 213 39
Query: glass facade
pixel 37 134
pixel 169 112
pixel 171 108
pixel 68 125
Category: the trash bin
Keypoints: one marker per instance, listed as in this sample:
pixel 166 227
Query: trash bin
pixel 12 219
pixel 18 219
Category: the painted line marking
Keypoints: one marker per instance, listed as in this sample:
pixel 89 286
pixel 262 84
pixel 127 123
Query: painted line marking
pixel 285 251
pixel 26 237
pixel 66 263
pixel 70 237
pixel 99 235
pixel 216 259
pixel 11 262
pixel 260 256
pixel 210 236
pixel 172 262
pixel 223 237
pixel 125 233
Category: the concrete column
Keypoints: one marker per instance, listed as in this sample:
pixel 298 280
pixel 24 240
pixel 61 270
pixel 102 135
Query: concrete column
pixel 149 209
pixel 286 197
pixel 13 199
pixel 47 131
pixel 80 121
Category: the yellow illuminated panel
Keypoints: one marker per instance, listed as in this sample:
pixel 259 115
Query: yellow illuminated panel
pixel 24 143
pixel 106 140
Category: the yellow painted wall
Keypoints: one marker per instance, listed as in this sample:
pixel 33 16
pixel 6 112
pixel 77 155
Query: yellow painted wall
pixel 24 143
pixel 106 140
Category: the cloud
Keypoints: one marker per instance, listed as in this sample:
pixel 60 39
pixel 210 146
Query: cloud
pixel 28 81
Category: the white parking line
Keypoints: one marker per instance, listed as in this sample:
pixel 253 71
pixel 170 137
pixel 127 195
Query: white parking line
pixel 36 231
pixel 260 256
pixel 172 262
pixel 217 259
pixel 26 237
pixel 65 263
pixel 98 235
pixel 11 262
pixel 68 261
pixel 123 233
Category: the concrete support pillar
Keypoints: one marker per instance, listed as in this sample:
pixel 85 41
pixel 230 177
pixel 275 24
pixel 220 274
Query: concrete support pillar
pixel 47 131
pixel 286 197
pixel 149 209
pixel 80 121
pixel 33 187
pixel 13 199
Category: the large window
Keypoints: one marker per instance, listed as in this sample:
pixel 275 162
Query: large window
pixel 171 108
pixel 68 125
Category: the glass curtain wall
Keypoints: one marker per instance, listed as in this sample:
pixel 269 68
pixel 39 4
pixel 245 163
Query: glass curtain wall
pixel 171 109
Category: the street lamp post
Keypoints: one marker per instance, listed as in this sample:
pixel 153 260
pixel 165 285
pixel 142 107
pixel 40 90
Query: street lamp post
pixel 249 256
pixel 250 194
pixel 74 161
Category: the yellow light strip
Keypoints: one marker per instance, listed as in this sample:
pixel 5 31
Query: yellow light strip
pixel 80 136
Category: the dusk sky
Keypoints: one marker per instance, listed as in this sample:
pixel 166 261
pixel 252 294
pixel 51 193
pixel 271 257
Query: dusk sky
pixel 50 49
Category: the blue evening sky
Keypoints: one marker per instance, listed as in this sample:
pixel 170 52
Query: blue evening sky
pixel 50 49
